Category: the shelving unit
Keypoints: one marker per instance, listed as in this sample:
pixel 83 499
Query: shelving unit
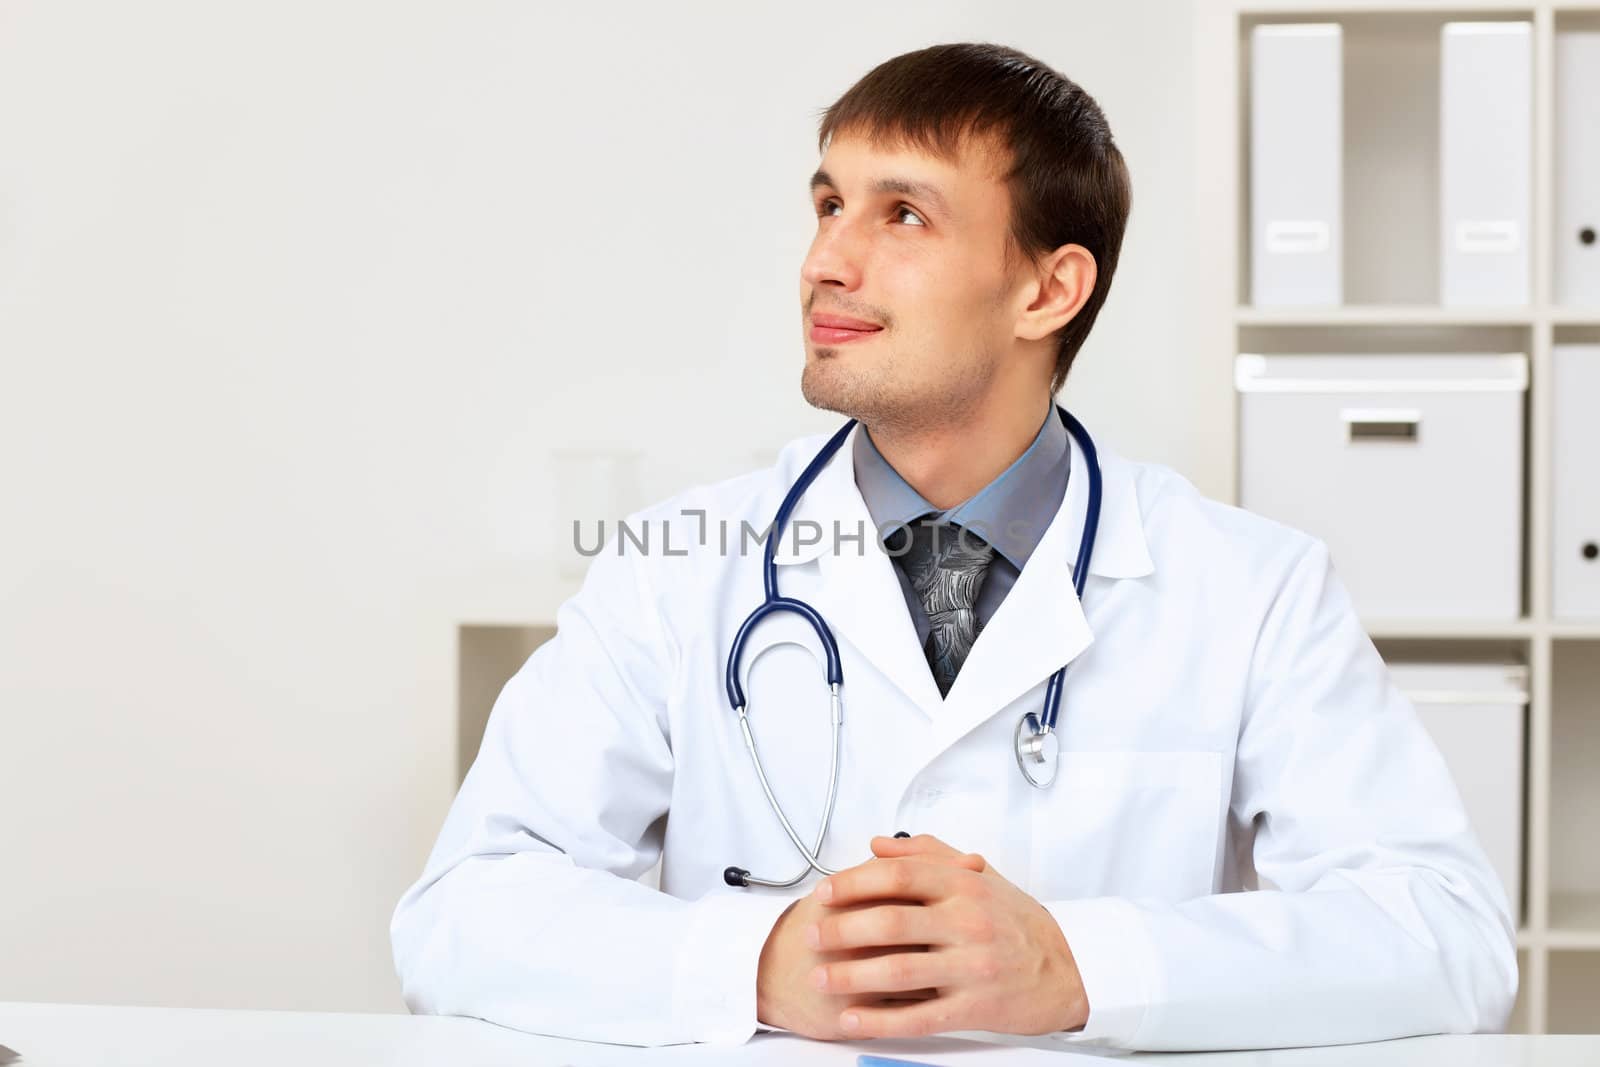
pixel 1392 48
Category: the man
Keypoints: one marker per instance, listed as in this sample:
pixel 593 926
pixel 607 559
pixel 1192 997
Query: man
pixel 1226 721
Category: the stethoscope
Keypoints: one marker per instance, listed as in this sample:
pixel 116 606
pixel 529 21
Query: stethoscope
pixel 1035 740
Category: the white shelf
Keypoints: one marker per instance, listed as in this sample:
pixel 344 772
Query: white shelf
pixel 1574 920
pixel 1457 629
pixel 1561 928
pixel 1305 8
pixel 1291 9
pixel 1384 315
pixel 1447 629
pixel 1413 315
pixel 1575 631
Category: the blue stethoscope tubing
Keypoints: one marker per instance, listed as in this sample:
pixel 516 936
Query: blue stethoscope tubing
pixel 1036 752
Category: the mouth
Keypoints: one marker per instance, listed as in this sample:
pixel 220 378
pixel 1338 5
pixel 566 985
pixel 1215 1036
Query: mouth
pixel 839 329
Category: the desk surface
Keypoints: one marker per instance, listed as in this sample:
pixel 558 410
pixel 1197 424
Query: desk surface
pixel 73 1035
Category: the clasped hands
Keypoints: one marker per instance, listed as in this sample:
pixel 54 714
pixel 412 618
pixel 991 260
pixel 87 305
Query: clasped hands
pixel 920 939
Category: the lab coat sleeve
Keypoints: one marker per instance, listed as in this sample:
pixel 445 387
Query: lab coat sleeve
pixel 1379 917
pixel 528 913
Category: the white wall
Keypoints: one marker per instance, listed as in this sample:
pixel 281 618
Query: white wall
pixel 296 299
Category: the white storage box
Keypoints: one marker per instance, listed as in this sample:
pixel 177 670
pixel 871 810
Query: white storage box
pixel 1409 467
pixel 1575 574
pixel 1476 714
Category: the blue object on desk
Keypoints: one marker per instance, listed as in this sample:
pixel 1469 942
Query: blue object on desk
pixel 889 1061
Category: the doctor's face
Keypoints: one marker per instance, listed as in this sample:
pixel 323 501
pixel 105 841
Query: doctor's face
pixel 914 246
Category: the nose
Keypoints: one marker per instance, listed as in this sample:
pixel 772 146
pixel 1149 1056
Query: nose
pixel 834 258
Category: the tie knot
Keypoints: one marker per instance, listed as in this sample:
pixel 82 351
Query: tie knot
pixel 943 545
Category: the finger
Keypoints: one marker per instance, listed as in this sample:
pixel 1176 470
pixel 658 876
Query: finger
pixel 913 924
pixel 904 878
pixel 929 847
pixel 905 846
pixel 896 973
pixel 934 1016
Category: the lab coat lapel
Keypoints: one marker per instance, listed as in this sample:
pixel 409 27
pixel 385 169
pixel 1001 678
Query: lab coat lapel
pixel 853 583
pixel 1041 625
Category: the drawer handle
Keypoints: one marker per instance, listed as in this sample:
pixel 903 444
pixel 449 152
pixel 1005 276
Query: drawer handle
pixel 1381 425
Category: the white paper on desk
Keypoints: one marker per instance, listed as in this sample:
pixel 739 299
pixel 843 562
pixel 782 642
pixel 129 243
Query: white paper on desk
pixel 783 1049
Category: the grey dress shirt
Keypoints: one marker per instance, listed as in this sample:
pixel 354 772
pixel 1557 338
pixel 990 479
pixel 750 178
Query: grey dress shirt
pixel 1011 512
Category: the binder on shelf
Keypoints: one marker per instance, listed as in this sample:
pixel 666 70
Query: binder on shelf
pixel 1577 169
pixel 1485 162
pixel 1296 164
pixel 1575 470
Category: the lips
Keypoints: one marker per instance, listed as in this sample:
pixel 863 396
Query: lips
pixel 844 322
pixel 839 329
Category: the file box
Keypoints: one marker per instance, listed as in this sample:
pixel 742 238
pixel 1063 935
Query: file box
pixel 1408 466
pixel 1476 714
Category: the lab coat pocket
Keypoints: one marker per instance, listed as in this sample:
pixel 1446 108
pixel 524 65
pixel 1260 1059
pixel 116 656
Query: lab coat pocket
pixel 1128 823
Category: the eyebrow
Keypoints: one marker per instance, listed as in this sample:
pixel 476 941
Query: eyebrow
pixel 897 186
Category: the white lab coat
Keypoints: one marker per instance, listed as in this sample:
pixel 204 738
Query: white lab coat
pixel 1226 724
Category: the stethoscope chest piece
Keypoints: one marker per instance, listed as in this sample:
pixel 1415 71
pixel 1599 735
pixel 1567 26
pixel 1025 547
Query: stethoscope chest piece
pixel 1037 751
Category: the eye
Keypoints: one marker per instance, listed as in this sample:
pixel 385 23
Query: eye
pixel 826 206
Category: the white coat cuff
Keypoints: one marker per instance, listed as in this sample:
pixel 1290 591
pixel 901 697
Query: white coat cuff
pixel 1118 965
pixel 714 987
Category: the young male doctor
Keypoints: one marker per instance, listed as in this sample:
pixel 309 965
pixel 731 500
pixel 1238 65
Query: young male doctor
pixel 1249 840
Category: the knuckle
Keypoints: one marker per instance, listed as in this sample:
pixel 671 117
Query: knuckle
pixel 899 877
pixel 979 927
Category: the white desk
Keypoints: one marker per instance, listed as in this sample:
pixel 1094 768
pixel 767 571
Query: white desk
pixel 72 1035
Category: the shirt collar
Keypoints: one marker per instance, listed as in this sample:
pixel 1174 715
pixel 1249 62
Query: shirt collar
pixel 1011 512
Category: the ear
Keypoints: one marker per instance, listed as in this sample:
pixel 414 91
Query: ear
pixel 1064 281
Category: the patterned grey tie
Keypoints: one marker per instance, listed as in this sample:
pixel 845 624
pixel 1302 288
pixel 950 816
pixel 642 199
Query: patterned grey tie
pixel 947 566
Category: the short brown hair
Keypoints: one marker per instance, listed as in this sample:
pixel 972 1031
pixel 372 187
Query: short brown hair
pixel 1068 181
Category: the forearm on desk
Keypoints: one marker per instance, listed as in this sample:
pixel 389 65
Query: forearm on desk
pixel 532 942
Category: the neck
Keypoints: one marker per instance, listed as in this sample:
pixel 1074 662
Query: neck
pixel 950 462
